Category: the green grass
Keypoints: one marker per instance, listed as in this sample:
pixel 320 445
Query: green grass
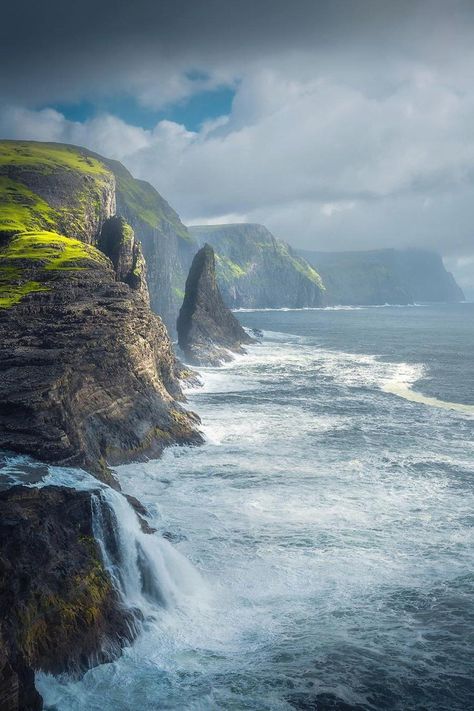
pixel 229 270
pixel 54 250
pixel 21 210
pixel 12 293
pixel 179 293
pixel 304 268
pixel 128 234
pixel 48 157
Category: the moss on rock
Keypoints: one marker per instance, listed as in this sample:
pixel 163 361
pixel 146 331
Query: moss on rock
pixel 28 257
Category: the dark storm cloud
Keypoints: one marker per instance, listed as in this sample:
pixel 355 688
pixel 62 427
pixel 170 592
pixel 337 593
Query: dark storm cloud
pixel 57 50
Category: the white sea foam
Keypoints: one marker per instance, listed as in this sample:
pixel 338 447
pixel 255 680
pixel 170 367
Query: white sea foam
pixel 333 525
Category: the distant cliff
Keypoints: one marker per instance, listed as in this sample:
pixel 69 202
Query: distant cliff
pixel 255 270
pixel 207 329
pixel 385 276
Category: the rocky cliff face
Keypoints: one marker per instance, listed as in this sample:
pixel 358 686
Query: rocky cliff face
pixel 385 276
pixel 59 610
pixel 207 330
pixel 167 245
pixel 255 270
pixel 88 373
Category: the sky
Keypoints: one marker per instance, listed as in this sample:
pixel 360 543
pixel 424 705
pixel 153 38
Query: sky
pixel 339 124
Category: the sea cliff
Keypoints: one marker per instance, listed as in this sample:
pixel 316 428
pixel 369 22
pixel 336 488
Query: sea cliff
pixel 384 276
pixel 89 374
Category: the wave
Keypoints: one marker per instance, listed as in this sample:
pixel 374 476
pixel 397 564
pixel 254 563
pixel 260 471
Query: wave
pixel 406 392
pixel 295 356
pixel 337 307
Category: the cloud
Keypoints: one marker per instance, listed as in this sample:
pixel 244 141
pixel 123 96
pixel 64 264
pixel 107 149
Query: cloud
pixel 351 125
pixel 322 163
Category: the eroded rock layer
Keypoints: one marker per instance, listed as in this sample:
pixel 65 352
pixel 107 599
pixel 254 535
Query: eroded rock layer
pixel 88 373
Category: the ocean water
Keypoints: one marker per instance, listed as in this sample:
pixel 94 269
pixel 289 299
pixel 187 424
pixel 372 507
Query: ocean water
pixel 319 547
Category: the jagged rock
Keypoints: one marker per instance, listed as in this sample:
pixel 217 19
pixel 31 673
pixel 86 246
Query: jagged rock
pixel 88 373
pixel 167 245
pixel 58 608
pixel 207 330
pixel 117 240
pixel 256 270
pixel 141 511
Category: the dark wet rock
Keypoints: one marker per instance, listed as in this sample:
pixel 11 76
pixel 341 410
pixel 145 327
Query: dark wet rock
pixel 142 513
pixel 207 329
pixel 59 611
pixel 174 537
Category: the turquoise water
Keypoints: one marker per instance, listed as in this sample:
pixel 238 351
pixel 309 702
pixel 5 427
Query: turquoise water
pixel 328 520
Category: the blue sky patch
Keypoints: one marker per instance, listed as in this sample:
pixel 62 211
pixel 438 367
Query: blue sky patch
pixel 191 113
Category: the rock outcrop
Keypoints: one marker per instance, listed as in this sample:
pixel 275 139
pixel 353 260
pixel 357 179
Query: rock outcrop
pixel 207 330
pixel 167 245
pixel 256 270
pixel 384 276
pixel 88 373
pixel 59 611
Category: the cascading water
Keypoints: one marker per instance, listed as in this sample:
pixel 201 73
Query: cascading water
pixel 147 571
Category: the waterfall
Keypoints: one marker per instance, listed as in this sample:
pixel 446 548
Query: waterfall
pixel 147 570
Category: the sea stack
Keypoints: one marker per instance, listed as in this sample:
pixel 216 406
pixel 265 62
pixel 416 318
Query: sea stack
pixel 208 332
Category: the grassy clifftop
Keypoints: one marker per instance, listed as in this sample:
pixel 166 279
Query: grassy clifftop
pixel 51 193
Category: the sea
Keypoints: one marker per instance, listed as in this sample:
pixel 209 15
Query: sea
pixel 317 552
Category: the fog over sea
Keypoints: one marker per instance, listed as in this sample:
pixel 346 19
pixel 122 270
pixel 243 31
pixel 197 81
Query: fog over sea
pixel 319 547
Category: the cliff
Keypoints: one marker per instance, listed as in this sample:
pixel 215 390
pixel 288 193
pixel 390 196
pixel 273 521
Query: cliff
pixel 385 276
pixel 59 611
pixel 255 270
pixel 207 330
pixel 167 245
pixel 88 373
pixel 73 190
